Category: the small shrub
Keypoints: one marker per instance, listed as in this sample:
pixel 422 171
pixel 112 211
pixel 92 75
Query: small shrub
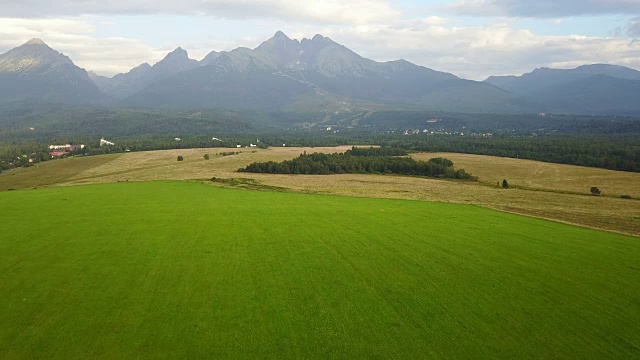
pixel 626 197
pixel 206 156
pixel 180 158
pixel 505 184
pixel 229 153
pixel 595 191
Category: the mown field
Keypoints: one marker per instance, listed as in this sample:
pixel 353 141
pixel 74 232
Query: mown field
pixel 551 191
pixel 538 175
pixel 187 270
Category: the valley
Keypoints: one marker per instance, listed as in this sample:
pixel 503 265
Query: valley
pixel 426 180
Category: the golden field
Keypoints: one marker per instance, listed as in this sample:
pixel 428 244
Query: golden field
pixel 551 191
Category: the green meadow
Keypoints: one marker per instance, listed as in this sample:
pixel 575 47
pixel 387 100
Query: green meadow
pixel 187 270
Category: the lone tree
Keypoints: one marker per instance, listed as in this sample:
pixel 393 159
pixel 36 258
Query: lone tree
pixel 595 191
pixel 206 156
pixel 180 158
pixel 505 184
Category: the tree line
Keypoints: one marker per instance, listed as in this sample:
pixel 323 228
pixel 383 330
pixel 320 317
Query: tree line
pixel 372 151
pixel 620 152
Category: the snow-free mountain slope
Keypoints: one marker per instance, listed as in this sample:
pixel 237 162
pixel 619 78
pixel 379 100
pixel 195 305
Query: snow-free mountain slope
pixel 34 71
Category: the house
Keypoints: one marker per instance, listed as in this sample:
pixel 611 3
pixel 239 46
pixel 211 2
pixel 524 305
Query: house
pixel 55 154
pixel 66 147
pixel 104 142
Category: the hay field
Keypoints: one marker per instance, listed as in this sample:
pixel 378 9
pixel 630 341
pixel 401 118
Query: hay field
pixel 541 175
pixel 51 172
pixel 551 191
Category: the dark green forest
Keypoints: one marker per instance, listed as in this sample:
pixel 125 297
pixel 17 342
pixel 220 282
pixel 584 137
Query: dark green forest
pixel 607 152
pixel 361 161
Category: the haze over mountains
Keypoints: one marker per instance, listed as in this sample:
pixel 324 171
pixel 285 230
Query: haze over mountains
pixel 312 75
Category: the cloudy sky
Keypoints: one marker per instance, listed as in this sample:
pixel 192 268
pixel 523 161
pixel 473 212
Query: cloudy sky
pixel 470 38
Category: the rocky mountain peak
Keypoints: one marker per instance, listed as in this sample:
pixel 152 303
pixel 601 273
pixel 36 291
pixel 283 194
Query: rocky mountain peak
pixel 176 61
pixel 281 49
pixel 279 39
pixel 142 67
pixel 280 35
pixel 178 53
pixel 35 41
pixel 211 57
pixel 34 56
pixel 319 37
pixel 178 57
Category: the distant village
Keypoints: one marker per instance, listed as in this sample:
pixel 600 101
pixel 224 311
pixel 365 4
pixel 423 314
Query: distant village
pixel 432 127
pixel 56 151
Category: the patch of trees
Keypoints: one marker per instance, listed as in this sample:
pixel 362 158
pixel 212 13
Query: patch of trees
pixel 348 163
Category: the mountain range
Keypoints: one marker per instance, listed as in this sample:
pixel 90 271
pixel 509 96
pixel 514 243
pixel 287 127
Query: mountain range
pixel 311 75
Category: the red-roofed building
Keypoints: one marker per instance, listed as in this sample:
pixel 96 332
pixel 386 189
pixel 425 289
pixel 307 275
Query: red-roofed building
pixel 55 154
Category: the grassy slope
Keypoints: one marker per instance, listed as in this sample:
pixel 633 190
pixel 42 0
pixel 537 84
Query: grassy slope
pixel 534 191
pixel 183 270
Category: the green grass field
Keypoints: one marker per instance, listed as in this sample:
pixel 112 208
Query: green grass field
pixel 187 270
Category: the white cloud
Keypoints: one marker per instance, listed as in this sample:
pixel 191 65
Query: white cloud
pixel 544 8
pixel 633 29
pixel 477 52
pixel 320 11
